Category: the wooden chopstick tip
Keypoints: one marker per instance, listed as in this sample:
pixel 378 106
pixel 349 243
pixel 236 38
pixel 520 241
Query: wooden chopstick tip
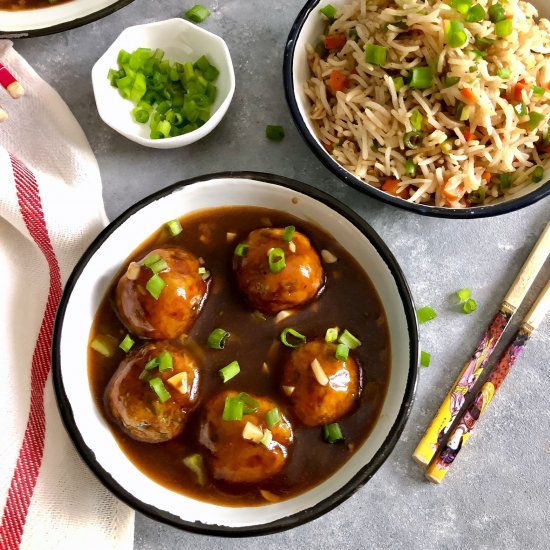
pixel 15 90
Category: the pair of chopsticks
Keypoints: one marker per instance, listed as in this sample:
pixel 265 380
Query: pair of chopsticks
pixel 439 461
pixel 12 86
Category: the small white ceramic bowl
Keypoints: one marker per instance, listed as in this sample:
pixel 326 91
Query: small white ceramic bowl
pixel 89 282
pixel 181 41
pixel 307 29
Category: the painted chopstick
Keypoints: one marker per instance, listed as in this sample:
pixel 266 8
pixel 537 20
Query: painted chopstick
pixel 13 87
pixel 446 456
pixel 449 409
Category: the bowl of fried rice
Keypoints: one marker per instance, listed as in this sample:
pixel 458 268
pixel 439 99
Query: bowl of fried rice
pixel 441 107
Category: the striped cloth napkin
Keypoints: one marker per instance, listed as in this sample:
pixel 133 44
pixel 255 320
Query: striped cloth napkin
pixel 50 210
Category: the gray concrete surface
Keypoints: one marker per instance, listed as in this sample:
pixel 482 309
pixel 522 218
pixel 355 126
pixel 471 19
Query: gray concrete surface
pixel 497 494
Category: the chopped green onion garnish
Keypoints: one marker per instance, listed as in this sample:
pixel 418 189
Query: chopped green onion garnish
pixel 413 140
pixel 288 233
pixel 469 306
pixel 496 13
pixel 152 260
pixel 538 174
pixel 157 385
pixel 447 147
pixel 217 338
pixel 416 120
pixel 421 78
pixel 425 314
pixel 329 11
pixel 504 28
pixel 104 344
pixel 267 438
pixel 197 13
pixel 456 35
pixel 241 249
pixel 375 55
pixel 159 266
pixel 233 409
pixel 505 181
pixel 272 417
pixel 398 83
pixel 126 344
pixel 301 339
pixel 410 168
pixel 425 358
pixel 274 133
pixel 521 109
pixel 155 285
pixel 331 335
pixel 332 433
pixel 152 363
pixel 342 352
pixel 449 81
pixel 483 43
pixel 250 405
pixel 276 260
pixel 534 120
pixel 463 294
pixel 476 14
pixel 229 371
pixel 196 465
pixel 503 72
pixel 166 361
pixel 348 339
pixel 538 91
pixel 477 197
pixel 174 226
pixel 461 6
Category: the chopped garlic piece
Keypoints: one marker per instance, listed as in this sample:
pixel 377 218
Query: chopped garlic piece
pixel 132 272
pixel 252 432
pixel 292 246
pixel 269 496
pixel 328 257
pixel 289 390
pixel 179 381
pixel 319 373
pixel 231 236
pixel 265 368
pixel 282 315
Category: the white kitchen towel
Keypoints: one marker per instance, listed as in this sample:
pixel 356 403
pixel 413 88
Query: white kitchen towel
pixel 50 210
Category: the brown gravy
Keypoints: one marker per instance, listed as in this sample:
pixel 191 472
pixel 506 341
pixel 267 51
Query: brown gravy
pixel 28 4
pixel 348 301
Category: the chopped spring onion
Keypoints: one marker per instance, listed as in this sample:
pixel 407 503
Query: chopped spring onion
pixel 241 249
pixel 410 168
pixel 538 91
pixel 505 181
pixel 329 11
pixel 174 226
pixel 332 433
pixel 456 35
pixel 461 6
pixel 425 314
pixel 276 260
pixel 413 140
pixel 449 81
pixel 272 417
pixel 476 14
pixel 229 371
pixel 398 83
pixel 463 294
pixel 537 174
pixel 301 339
pixel 126 344
pixel 342 352
pixel 159 266
pixel 104 344
pixel 421 78
pixel 331 335
pixel 250 404
pixel 483 43
pixel 478 196
pixel 166 362
pixel 217 338
pixel 496 13
pixel 152 363
pixel 348 339
pixel 195 463
pixel 503 72
pixel 152 260
pixel 266 438
pixel 157 385
pixel 155 285
pixel 274 133
pixel 504 28
pixel 416 120
pixel 375 55
pixel 233 409
pixel 469 306
pixel 197 13
pixel 425 358
pixel 447 147
pixel 288 233
pixel 521 109
pixel 534 120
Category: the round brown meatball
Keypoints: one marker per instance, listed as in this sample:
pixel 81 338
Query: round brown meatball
pixel 297 283
pixel 312 402
pixel 234 458
pixel 134 404
pixel 179 303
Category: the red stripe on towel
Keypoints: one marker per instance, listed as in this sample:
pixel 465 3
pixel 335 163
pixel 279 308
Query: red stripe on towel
pixel 30 455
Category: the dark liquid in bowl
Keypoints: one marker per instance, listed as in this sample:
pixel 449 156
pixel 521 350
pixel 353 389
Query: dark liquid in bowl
pixel 348 301
pixel 28 4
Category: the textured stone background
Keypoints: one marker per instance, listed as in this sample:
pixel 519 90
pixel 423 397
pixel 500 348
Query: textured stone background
pixel 497 495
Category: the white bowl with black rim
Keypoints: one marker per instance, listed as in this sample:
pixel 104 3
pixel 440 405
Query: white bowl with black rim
pixel 89 282
pixel 307 29
pixel 55 18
